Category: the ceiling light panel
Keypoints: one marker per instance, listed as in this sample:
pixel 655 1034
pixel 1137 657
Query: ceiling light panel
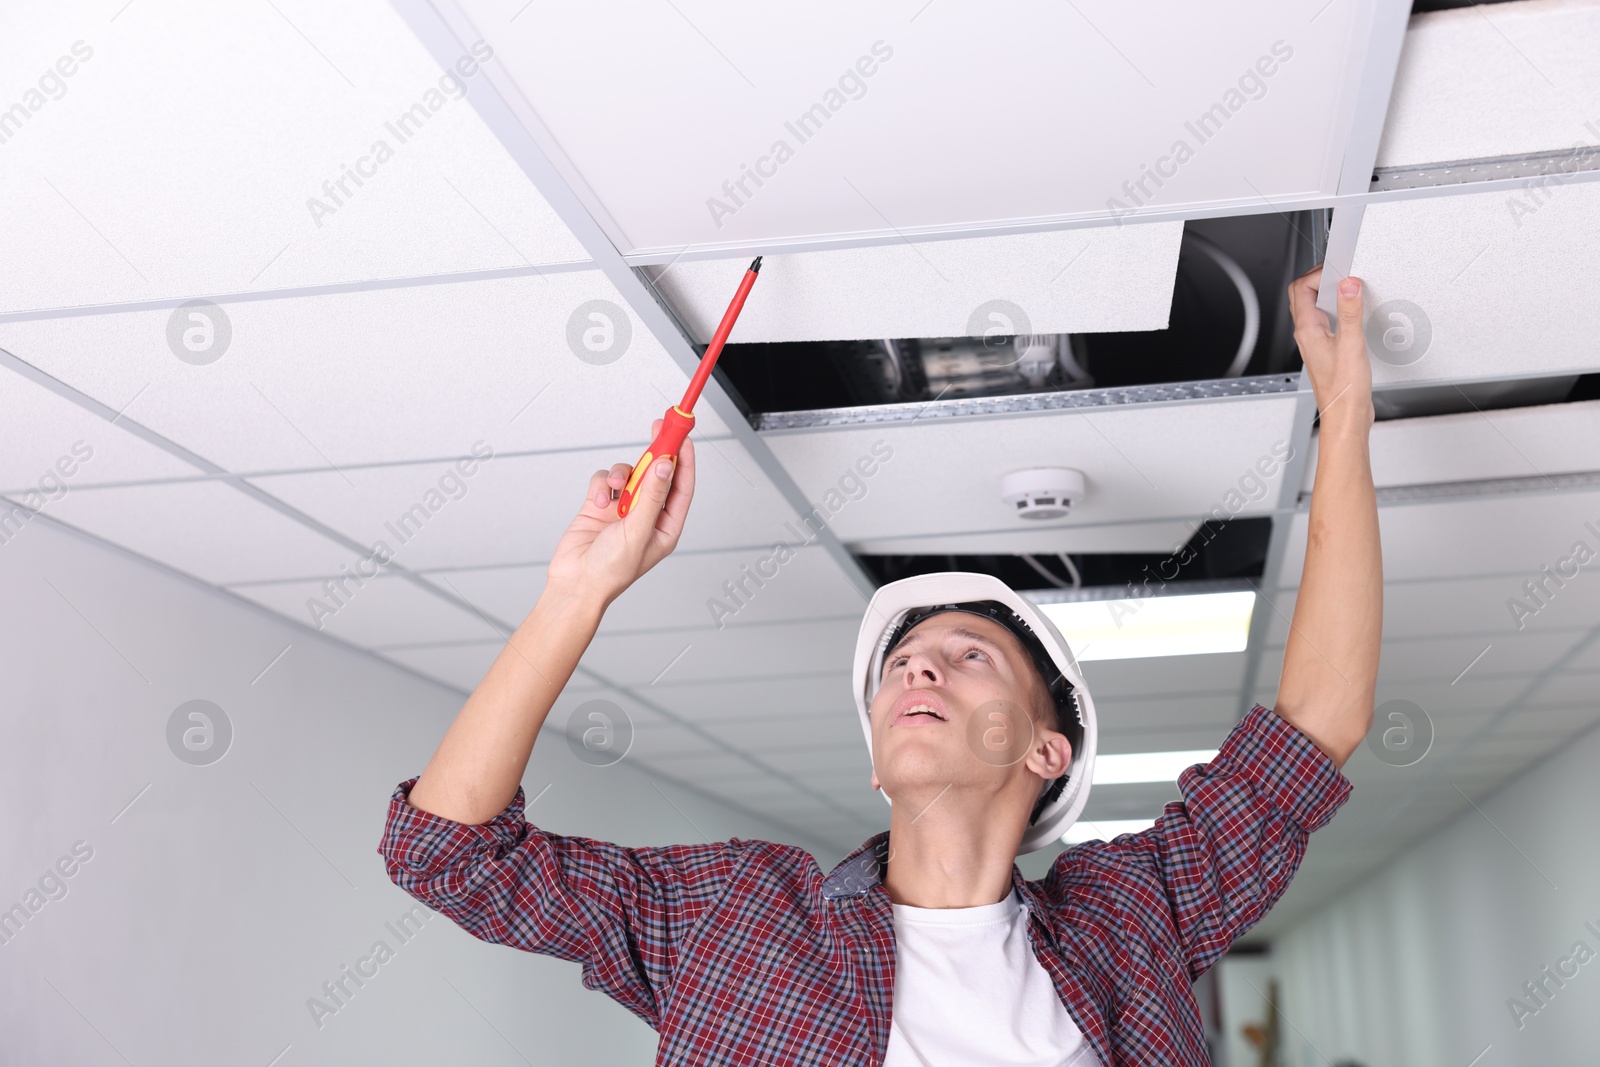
pixel 1147 766
pixel 513 509
pixel 1142 463
pixel 250 174
pixel 1065 281
pixel 1464 538
pixel 1463 286
pixel 207 529
pixel 1168 625
pixel 382 376
pixel 1495 80
pixel 888 127
pixel 51 445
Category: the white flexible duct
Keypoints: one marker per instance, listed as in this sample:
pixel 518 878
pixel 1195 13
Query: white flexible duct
pixel 1247 296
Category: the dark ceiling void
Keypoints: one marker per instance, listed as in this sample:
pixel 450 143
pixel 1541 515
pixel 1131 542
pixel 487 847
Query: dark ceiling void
pixel 1236 548
pixel 1419 6
pixel 1202 341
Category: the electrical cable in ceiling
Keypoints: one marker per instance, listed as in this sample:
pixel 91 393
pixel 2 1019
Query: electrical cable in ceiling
pixel 1247 296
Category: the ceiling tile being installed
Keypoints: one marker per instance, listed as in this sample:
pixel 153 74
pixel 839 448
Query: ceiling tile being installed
pixel 295 145
pixel 1067 281
pixel 1467 286
pixel 382 376
pixel 937 479
pixel 51 445
pixel 1494 80
pixel 908 129
pixel 513 509
pixel 207 529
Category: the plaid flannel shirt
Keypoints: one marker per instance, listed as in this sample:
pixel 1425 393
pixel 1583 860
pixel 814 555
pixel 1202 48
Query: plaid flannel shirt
pixel 742 952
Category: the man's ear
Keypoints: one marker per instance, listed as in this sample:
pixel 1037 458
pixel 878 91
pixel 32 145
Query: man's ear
pixel 1051 755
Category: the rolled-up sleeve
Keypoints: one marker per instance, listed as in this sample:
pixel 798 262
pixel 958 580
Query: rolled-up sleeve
pixel 1228 850
pixel 620 912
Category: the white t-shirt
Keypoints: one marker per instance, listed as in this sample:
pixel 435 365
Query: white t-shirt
pixel 968 990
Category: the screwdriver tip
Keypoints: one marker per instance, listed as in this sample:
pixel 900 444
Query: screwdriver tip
pixel 756 266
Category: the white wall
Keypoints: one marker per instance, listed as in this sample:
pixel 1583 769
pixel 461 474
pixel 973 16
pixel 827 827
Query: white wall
pixel 218 899
pixel 1415 967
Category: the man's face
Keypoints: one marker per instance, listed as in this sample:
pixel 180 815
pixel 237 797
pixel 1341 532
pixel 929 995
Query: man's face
pixel 961 704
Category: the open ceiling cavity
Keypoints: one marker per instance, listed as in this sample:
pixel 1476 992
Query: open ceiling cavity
pixel 1232 551
pixel 1229 319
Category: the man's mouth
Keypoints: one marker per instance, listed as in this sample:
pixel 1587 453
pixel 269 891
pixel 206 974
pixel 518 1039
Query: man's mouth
pixel 916 709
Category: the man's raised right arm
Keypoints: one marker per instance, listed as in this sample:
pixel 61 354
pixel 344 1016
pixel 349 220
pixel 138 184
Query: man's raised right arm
pixel 476 770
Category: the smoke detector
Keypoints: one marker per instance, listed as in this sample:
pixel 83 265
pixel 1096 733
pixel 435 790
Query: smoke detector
pixel 1042 492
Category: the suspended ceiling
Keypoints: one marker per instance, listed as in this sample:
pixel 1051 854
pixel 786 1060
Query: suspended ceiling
pixel 375 347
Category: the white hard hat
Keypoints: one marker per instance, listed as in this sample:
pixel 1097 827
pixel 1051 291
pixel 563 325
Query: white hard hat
pixel 910 600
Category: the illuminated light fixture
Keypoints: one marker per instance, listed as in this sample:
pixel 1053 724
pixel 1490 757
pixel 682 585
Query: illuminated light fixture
pixel 1147 766
pixel 1167 625
pixel 1104 830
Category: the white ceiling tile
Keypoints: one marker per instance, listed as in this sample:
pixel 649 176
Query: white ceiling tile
pixel 734 652
pixel 1446 658
pixel 212 191
pixel 1066 281
pixel 933 478
pixel 1507 443
pixel 460 665
pixel 1119 679
pixel 679 591
pixel 878 154
pixel 1040 537
pixel 779 696
pixel 1139 723
pixel 1465 538
pixel 1494 80
pixel 384 610
pixel 1567 687
pixel 375 377
pixel 1485 277
pixel 51 445
pixel 513 509
pixel 207 529
pixel 762 729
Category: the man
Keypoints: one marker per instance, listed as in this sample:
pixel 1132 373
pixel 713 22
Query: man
pixel 925 945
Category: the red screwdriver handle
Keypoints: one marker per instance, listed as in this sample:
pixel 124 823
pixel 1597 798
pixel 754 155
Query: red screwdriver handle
pixel 675 426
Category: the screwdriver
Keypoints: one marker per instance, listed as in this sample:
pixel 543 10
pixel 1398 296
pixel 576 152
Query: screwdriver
pixel 679 419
